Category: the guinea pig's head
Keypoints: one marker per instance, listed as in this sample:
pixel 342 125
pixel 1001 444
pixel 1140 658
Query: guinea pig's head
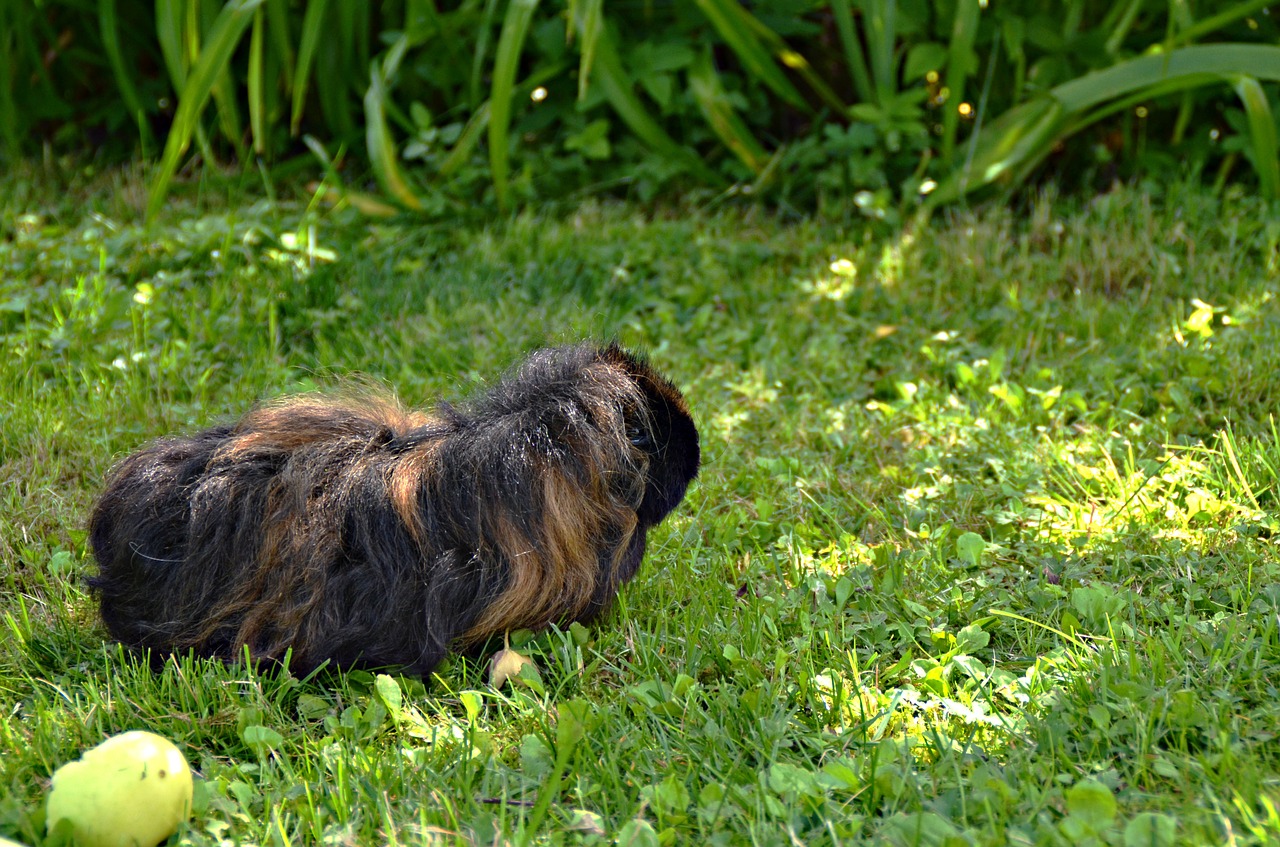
pixel 664 431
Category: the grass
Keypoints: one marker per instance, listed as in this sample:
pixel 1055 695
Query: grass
pixel 984 551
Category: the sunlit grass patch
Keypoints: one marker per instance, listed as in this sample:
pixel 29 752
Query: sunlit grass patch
pixel 983 551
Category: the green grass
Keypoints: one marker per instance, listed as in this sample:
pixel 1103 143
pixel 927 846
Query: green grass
pixel 984 551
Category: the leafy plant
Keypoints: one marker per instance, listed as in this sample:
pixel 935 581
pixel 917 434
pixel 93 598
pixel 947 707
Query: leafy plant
pixel 555 98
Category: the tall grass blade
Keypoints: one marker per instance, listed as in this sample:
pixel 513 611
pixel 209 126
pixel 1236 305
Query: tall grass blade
pixel 619 91
pixel 961 64
pixel 467 141
pixel 704 85
pixel 109 29
pixel 1015 141
pixel 169 33
pixel 506 61
pixel 345 63
pixel 10 61
pixel 1262 135
pixel 257 89
pixel 731 21
pixel 592 23
pixel 476 125
pixel 480 57
pixel 882 35
pixel 1221 60
pixel 216 54
pixel 1118 28
pixel 278 28
pixel 382 149
pixel 854 56
pixel 1213 23
pixel 312 27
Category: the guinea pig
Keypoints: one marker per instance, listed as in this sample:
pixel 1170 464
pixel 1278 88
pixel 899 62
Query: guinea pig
pixel 352 531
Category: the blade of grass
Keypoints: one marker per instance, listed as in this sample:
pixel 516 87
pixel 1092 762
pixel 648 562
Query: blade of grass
pixel 281 46
pixel 854 55
pixel 469 139
pixel 515 26
pixel 960 66
pixel 169 33
pixel 480 57
pixel 335 77
pixel 256 92
pixel 1259 60
pixel 1218 21
pixel 729 19
pixel 109 28
pixel 312 26
pixel 881 30
pixel 1118 29
pixel 591 24
pixel 1262 135
pixel 704 85
pixel 381 147
pixel 224 36
pixel 10 121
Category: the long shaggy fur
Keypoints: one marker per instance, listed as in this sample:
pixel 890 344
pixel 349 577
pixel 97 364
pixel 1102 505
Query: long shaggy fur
pixel 361 533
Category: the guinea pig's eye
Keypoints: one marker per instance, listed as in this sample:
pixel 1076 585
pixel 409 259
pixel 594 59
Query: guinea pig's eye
pixel 638 437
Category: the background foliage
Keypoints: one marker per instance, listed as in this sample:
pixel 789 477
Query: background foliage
pixel 454 105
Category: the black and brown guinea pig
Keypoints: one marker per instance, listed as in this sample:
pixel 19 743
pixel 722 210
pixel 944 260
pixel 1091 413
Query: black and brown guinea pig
pixel 356 532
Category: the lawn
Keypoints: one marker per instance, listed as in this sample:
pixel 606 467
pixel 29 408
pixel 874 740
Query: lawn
pixel 984 550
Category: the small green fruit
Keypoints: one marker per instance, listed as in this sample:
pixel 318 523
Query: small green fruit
pixel 132 790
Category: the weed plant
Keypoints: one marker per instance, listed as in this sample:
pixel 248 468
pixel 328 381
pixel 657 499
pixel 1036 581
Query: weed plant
pixel 984 551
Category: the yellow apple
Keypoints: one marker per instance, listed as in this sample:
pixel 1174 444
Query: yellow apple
pixel 132 790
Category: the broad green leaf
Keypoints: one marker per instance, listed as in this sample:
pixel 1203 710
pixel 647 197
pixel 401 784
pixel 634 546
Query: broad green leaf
pixel 637 832
pixel 390 694
pixel 1151 829
pixel 969 547
pixel 261 738
pixel 922 58
pixel 215 55
pixel 1093 803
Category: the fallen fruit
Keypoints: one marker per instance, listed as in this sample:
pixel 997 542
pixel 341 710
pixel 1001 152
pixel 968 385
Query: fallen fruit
pixel 132 790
